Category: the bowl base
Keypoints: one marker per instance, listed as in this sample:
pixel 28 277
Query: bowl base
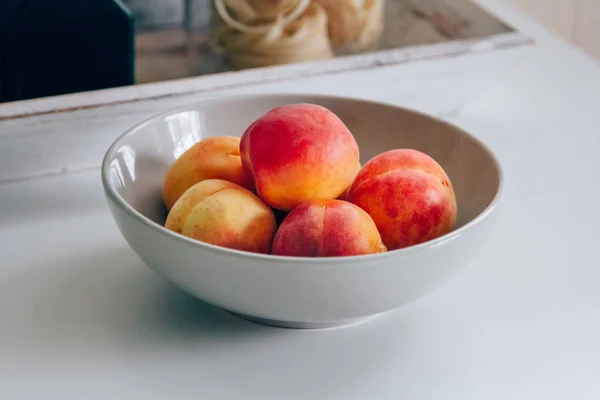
pixel 306 325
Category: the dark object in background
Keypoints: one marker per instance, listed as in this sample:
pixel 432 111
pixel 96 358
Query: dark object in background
pixel 8 9
pixel 53 47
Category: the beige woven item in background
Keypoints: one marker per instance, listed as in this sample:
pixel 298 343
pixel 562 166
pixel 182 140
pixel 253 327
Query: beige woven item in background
pixel 257 33
pixel 354 24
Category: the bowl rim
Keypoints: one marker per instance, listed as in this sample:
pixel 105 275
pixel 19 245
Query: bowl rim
pixel 112 194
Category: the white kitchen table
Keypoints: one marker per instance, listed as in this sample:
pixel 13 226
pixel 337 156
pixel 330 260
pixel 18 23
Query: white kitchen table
pixel 82 318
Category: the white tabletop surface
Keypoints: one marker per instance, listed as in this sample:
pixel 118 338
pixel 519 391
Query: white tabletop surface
pixel 82 318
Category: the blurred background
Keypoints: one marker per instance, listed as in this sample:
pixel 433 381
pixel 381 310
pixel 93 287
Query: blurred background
pixel 48 48
pixel 576 20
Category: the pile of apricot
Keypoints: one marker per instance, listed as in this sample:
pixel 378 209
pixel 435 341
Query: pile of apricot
pixel 293 185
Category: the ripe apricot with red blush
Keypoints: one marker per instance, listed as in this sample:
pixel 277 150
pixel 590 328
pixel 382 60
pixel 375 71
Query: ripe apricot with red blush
pixel 408 195
pixel 297 153
pixel 327 228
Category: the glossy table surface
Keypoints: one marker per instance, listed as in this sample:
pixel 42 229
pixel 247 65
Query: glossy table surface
pixel 82 318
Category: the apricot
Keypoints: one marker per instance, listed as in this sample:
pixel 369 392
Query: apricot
pixel 297 153
pixel 224 214
pixel 408 195
pixel 327 228
pixel 211 158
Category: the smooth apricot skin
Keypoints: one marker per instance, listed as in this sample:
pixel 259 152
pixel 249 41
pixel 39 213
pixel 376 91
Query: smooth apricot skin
pixel 327 228
pixel 408 195
pixel 224 214
pixel 211 158
pixel 297 153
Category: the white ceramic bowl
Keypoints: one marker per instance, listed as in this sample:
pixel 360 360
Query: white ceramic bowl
pixel 288 291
